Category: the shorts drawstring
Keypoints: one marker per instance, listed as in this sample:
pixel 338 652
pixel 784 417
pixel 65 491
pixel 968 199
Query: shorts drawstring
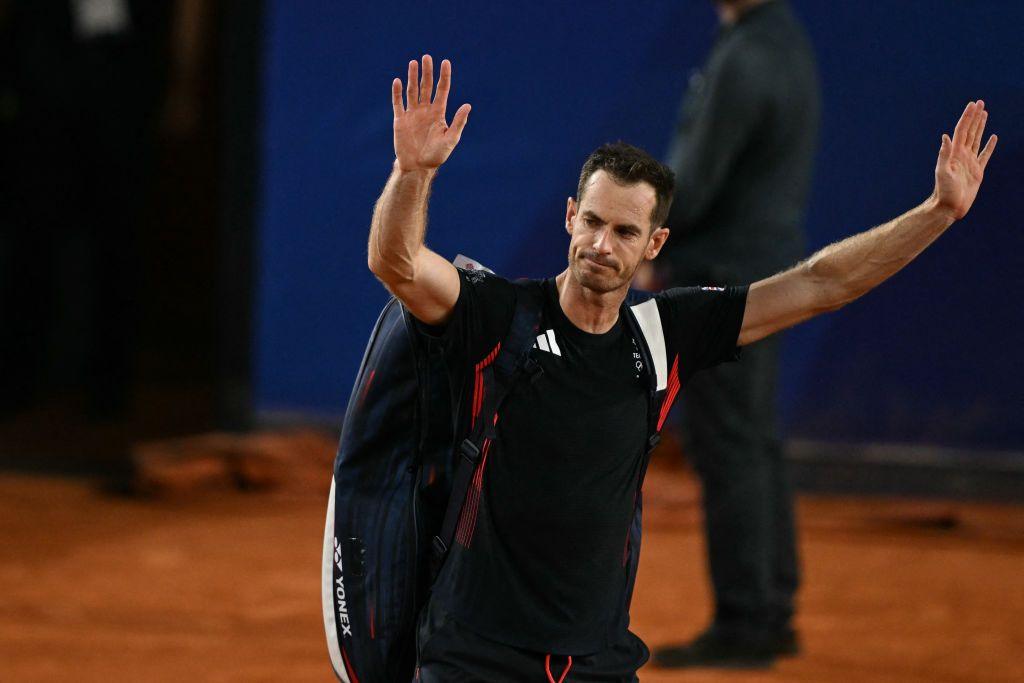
pixel 565 671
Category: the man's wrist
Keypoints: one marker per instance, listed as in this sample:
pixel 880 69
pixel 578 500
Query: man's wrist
pixel 426 174
pixel 933 207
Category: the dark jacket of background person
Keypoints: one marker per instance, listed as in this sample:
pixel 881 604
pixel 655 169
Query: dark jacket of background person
pixel 743 152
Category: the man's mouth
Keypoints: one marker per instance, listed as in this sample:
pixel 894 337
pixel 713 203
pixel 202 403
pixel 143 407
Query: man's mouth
pixel 597 262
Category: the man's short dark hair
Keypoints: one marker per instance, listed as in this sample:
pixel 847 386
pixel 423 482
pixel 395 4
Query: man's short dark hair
pixel 628 165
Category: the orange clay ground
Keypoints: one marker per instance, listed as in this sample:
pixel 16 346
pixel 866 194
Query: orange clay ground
pixel 225 586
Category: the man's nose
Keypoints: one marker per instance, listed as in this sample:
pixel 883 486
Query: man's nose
pixel 603 241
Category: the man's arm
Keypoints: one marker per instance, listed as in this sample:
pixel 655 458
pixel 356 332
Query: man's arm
pixel 424 281
pixel 846 270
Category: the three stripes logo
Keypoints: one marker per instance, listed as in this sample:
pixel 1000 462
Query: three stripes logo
pixel 546 342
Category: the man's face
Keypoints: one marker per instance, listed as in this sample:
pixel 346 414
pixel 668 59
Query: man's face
pixel 611 232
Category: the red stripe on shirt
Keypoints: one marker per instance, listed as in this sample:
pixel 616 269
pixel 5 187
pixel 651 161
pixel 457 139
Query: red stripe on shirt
pixel 670 392
pixel 467 519
pixel 478 383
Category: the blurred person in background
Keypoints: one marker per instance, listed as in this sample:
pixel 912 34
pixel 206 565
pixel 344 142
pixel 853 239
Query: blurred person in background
pixel 743 155
pixel 86 85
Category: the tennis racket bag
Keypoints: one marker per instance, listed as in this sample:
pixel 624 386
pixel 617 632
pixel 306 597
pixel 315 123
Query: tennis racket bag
pixel 401 475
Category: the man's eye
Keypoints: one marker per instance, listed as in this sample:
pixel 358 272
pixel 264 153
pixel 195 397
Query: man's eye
pixel 590 221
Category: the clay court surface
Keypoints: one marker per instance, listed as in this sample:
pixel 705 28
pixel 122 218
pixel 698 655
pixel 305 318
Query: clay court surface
pixel 225 586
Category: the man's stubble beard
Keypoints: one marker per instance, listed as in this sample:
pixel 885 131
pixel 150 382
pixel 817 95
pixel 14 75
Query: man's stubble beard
pixel 596 283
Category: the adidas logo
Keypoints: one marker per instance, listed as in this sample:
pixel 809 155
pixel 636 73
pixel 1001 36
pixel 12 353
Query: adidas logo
pixel 546 342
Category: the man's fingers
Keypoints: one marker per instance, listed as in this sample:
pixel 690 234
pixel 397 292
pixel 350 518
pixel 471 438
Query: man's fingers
pixel 963 126
pixel 971 136
pixel 983 120
pixel 986 153
pixel 968 138
pixel 396 97
pixel 978 130
pixel 412 85
pixel 444 84
pixel 459 122
pixel 427 84
pixel 945 147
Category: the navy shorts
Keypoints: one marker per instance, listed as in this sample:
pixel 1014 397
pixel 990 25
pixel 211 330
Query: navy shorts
pixel 449 652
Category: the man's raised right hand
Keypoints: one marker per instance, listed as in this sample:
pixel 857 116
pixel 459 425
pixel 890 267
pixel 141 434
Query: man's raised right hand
pixel 423 140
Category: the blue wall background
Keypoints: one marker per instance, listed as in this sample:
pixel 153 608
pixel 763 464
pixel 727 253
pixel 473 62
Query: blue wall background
pixel 931 357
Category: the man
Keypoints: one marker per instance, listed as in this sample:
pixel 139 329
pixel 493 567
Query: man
pixel 743 156
pixel 537 583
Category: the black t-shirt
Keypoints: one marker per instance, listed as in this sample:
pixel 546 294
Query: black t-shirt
pixel 539 558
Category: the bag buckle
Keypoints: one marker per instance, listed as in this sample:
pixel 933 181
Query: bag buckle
pixel 469 451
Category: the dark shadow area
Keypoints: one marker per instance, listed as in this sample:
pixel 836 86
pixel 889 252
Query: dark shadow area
pixel 123 296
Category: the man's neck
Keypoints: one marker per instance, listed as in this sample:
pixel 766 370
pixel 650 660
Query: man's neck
pixel 731 12
pixel 593 312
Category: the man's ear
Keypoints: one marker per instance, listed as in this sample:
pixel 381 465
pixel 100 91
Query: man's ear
pixel 656 242
pixel 570 214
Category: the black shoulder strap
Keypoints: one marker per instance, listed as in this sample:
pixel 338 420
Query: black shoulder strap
pixel 494 381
